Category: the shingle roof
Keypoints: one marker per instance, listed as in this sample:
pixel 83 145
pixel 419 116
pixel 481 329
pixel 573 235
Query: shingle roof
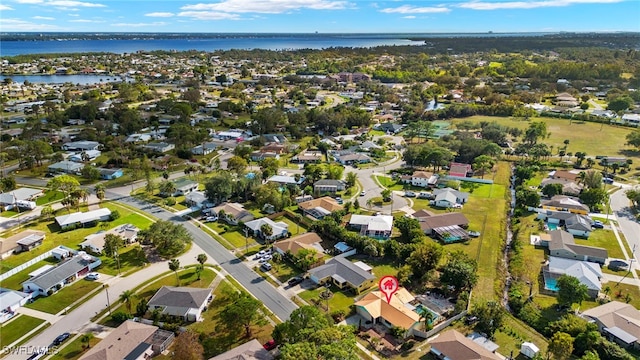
pixel 61 272
pixel 121 341
pixel 561 239
pixel 343 268
pixel 394 311
pixel 566 202
pixel 180 297
pixel 18 194
pixel 616 314
pixel 442 220
pixel 12 242
pixel 588 273
pixel 456 346
pixel 251 350
pixel 325 202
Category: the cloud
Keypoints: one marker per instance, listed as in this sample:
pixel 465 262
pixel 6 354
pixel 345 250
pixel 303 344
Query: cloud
pixel 29 1
pixel 209 15
pixel 409 17
pixel 408 9
pixel 5 7
pixel 22 25
pixel 157 23
pixel 268 6
pixel 86 21
pixel 160 14
pixel 43 18
pixel 73 14
pixel 480 5
pixel 72 3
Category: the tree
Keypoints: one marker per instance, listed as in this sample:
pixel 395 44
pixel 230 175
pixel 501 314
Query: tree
pixel 490 317
pixel 551 190
pixel 527 198
pixel 112 243
pixel 301 324
pixel 241 312
pixel 483 163
pixel 85 339
pixel 386 195
pixel 427 316
pixel 46 211
pixel 219 187
pixel 168 238
pixel 633 138
pixel 571 291
pixel 7 183
pixel 202 258
pixel 65 184
pixel 167 188
pixel 269 167
pixel 266 231
pixel 594 198
pixel 460 272
pixel 424 258
pixel 237 164
pixel 174 265
pixel 351 179
pixel 561 345
pixel 99 189
pixel 634 196
pixel 126 297
pixel 592 179
pixel 187 347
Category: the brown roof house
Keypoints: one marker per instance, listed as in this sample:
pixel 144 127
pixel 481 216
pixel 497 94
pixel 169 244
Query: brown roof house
pixel 251 350
pixel 234 213
pixel 448 227
pixel 95 242
pixel 23 241
pixel 397 312
pixel 131 341
pixel 181 302
pixel 452 345
pixel 307 241
pixel 562 244
pixel 618 322
pixel 565 203
pixel 320 207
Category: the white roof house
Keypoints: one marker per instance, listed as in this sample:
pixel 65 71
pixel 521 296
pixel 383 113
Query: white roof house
pixel 279 229
pixel 81 145
pixel 379 226
pixel 83 218
pixel 588 273
pixel 95 242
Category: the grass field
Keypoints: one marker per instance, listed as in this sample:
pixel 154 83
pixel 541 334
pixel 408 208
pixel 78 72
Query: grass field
pixel 17 328
pixel 64 297
pixel 604 239
pixel 339 301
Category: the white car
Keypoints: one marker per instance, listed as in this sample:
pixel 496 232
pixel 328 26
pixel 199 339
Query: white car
pixel 211 219
pixel 265 259
pixel 92 276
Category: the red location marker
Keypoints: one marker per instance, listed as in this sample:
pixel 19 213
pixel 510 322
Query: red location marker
pixel 388 285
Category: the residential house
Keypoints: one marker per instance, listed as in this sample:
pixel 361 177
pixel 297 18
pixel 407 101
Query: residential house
pixel 610 160
pixel 630 119
pixel 185 303
pixel 449 198
pixel 184 186
pixel 131 341
pixel 307 241
pixel 251 350
pixel 618 322
pixel 23 241
pixel 56 277
pixel 286 180
pixel 320 207
pixel 389 127
pixel 347 157
pixel 307 157
pixel 397 312
pixel 329 186
pixel 588 273
pixel 453 345
pixel 447 227
pixel 204 149
pixel 424 179
pixel 197 199
pixel 568 187
pixel 566 100
pixel 369 145
pixel 65 167
pixel 565 203
pixel 377 227
pixel 232 213
pixel 274 138
pixel 83 219
pixel 87 155
pixel 279 229
pixel 10 301
pixel 260 155
pixel 158 147
pixel 139 138
pixel 95 242
pixel 110 174
pixel 302 198
pixel 565 175
pixel 460 170
pixel 576 224
pixel 81 146
pixel 562 244
pixel 20 194
pixel 342 273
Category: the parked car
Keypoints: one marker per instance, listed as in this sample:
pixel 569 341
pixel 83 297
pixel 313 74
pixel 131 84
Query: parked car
pixel 265 259
pixel 474 234
pixel 265 267
pixel 409 194
pixel 295 281
pixel 339 200
pixel 424 195
pixel 92 276
pixel 270 345
pixel 607 180
pixel 363 193
pixel 597 224
pixel 61 338
pixel 211 219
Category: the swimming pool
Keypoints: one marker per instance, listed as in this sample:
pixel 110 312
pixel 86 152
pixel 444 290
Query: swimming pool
pixel 419 308
pixel 552 226
pixel 551 284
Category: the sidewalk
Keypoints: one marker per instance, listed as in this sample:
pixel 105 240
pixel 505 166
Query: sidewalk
pixel 51 318
pixel 624 252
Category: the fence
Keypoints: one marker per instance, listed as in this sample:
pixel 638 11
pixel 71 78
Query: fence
pixel 441 326
pixel 475 180
pixel 23 266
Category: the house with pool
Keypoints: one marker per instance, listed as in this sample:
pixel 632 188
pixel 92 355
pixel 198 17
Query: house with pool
pixel 588 273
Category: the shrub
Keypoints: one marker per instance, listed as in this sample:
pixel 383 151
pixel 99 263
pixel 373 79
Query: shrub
pixel 120 316
pixel 170 201
pixel 115 214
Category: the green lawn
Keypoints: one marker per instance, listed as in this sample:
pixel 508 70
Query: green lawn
pixel 64 297
pixel 71 239
pixel 283 270
pixel 604 239
pixel 131 257
pixel 17 328
pixel 74 350
pixel 49 196
pixel 14 282
pixel 341 300
pixel 513 333
pixel 389 183
pixel 294 227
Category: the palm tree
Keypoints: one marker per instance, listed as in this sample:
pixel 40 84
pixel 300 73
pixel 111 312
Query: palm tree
pixel 86 340
pixel 202 258
pixel 167 188
pixel 427 316
pixel 99 189
pixel 127 298
pixel 266 231
pixel 174 265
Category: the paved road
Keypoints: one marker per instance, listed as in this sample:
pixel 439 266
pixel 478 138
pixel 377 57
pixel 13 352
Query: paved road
pixel 275 301
pixel 630 228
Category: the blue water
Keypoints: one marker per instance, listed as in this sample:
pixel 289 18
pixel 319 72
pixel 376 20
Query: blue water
pixel 227 42
pixel 551 284
pixel 420 306
pixel 552 226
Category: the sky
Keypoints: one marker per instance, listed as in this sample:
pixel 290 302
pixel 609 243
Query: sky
pixel 322 16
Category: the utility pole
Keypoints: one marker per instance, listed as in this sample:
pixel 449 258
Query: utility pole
pixel 108 304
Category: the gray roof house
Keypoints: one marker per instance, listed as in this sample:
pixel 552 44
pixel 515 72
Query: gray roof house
pixel 184 186
pixel 562 244
pixel 279 229
pixel 57 277
pixel 131 341
pixel 198 199
pixel 618 322
pixel 342 273
pixel 234 213
pixel 204 149
pixel 19 194
pixel 576 224
pixel 588 273
pixel 447 197
pixel 95 242
pixel 183 302
pixel 251 350
pixel 348 157
pixel 66 167
pixel 83 218
pixel 159 147
pixel 565 203
pixel 81 145
pixel 329 186
pixel 11 300
pixel 23 241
